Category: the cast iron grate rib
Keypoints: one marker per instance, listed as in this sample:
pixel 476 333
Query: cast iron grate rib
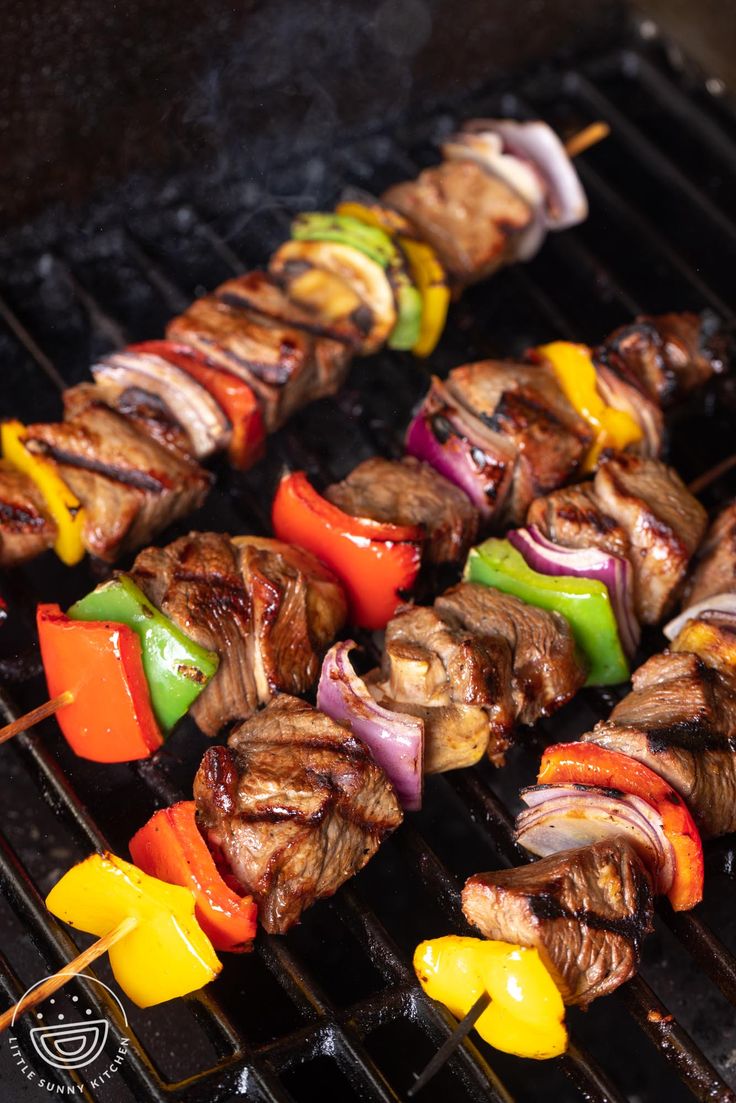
pixel 333 1010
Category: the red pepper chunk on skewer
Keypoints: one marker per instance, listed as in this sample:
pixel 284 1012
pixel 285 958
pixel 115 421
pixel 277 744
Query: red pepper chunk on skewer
pixel 110 718
pixel 589 764
pixel 170 847
pixel 377 562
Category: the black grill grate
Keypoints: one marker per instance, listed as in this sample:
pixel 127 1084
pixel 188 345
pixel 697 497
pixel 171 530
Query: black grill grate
pixel 333 1010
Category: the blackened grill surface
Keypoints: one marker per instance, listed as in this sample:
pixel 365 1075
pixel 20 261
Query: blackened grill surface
pixel 333 1011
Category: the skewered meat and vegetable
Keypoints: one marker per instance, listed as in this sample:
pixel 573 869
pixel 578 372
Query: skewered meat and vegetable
pixel 715 569
pixel 296 805
pixel 586 911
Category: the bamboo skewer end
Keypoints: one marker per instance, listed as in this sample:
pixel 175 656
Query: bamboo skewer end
pixel 35 716
pixel 586 138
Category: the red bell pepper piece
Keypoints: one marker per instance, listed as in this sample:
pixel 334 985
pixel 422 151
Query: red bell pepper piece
pixel 377 563
pixel 233 394
pixel 170 846
pixel 589 764
pixel 110 718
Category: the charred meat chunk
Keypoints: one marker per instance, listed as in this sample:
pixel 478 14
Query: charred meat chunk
pixel 296 805
pixel 585 911
pixel 715 568
pixel 145 410
pixel 668 355
pixel 407 492
pixel 663 521
pixel 130 486
pixel 572 517
pixel 469 217
pixel 26 529
pixel 269 610
pixel 680 720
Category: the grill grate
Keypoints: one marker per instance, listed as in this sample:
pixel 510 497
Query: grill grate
pixel 334 1010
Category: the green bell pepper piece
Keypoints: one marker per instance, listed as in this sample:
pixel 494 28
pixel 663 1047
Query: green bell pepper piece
pixel 177 669
pixel 584 602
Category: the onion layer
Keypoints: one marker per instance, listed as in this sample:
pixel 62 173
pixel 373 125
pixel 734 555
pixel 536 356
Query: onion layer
pixel 562 817
pixel 612 570
pixel 718 603
pixel 395 739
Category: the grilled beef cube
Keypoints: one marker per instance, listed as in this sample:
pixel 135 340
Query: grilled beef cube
pixel 524 404
pixel 547 670
pixel 150 415
pixel 585 911
pixel 269 610
pixel 407 492
pixel 296 805
pixel 434 664
pixel 668 355
pixel 715 568
pixel 130 486
pixel 572 518
pixel 26 529
pixel 469 217
pixel 680 720
pixel 258 293
pixel 285 366
pixel 663 521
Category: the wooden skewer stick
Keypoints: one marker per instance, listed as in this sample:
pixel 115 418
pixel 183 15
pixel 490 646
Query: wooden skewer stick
pixel 78 965
pixel 587 137
pixel 712 474
pixel 35 716
pixel 447 1049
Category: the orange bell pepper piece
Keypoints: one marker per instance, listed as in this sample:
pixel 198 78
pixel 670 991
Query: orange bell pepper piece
pixel 233 394
pixel 170 847
pixel 110 718
pixel 589 764
pixel 377 563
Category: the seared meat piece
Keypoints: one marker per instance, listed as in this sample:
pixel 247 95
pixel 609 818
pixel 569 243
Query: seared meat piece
pixel 680 720
pixel 585 911
pixel 668 355
pixel 268 609
pixel 26 529
pixel 131 488
pixel 467 215
pixel 715 568
pixel 184 399
pixel 663 521
pixel 296 805
pixel 572 517
pixel 145 410
pixel 285 366
pixel 547 671
pixel 525 405
pixel 431 662
pixel 407 492
pixel 258 293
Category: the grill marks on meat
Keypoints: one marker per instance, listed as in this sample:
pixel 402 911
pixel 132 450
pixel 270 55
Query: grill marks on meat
pixel 407 492
pixel 150 415
pixel 664 523
pixel 286 366
pixel 467 215
pixel 715 570
pixel 585 911
pixel 269 610
pixel 680 720
pixel 668 355
pixel 129 485
pixel 297 806
pixel 525 406
pixel 477 651
pixel 26 529
pixel 572 517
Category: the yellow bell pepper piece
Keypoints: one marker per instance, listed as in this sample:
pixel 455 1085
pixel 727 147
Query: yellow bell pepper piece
pixel 166 955
pixel 427 273
pixel 62 504
pixel 526 1014
pixel 575 371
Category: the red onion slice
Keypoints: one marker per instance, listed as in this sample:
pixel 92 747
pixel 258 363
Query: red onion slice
pixel 718 603
pixel 395 739
pixel 621 395
pixel 566 204
pixel 613 571
pixel 562 817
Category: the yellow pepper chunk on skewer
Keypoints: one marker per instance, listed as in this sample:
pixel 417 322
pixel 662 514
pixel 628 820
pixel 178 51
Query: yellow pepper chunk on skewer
pixel 526 1013
pixel 166 954
pixel 64 507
